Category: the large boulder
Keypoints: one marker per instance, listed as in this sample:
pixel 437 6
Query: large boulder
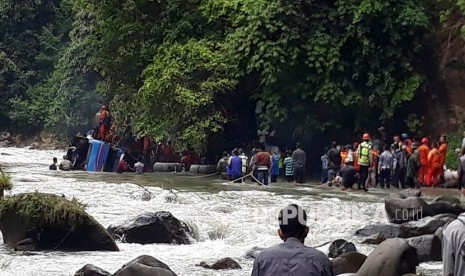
pixel 425 226
pixel 385 230
pixel 447 199
pixel 438 208
pixel 225 263
pixel 348 263
pixel 49 222
pixel 400 210
pixel 159 227
pixel 145 266
pixel 393 257
pixel 337 247
pixel 91 270
pixel 409 193
pixel 428 248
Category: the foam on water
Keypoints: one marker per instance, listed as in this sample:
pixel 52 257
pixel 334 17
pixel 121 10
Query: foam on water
pixel 226 222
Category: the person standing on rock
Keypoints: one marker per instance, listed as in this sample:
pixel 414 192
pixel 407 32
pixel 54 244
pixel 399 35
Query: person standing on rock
pixel 453 245
pixel 423 152
pixel 364 160
pixel 443 153
pixel 386 163
pixel 434 166
pixel 292 257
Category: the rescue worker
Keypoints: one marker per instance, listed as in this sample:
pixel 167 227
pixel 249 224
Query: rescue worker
pixel 104 123
pixel 443 153
pixel 407 142
pixel 364 160
pixel 434 166
pixel 423 152
pixel 343 154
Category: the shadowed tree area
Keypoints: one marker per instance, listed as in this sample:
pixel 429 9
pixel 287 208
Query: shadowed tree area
pixel 194 70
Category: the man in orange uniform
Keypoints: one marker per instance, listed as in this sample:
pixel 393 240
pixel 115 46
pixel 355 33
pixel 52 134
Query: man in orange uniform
pixel 434 161
pixel 105 123
pixel 343 156
pixel 443 153
pixel 423 152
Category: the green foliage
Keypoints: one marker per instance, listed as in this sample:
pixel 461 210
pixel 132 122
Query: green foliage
pixel 454 141
pixel 179 69
pixel 44 209
pixel 178 94
pixel 5 181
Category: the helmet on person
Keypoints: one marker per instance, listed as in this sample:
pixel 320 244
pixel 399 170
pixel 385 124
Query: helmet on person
pixel 104 107
pixel 366 136
pixel 425 140
pixel 404 136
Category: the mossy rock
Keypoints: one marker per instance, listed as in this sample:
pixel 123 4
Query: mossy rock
pixel 51 222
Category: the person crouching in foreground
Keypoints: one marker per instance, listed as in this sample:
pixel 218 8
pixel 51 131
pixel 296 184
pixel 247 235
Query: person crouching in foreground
pixel 292 257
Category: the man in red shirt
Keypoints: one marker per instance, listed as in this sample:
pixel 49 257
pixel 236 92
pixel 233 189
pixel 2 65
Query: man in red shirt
pixel 262 165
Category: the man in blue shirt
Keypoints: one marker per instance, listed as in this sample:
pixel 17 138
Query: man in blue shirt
pixel 292 257
pixel 234 168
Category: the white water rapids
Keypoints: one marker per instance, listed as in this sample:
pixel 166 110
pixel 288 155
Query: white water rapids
pixel 228 219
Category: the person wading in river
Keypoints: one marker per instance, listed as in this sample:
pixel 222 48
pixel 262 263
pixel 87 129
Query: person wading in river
pixel 262 165
pixel 292 257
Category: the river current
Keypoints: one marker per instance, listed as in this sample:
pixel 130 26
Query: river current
pixel 228 219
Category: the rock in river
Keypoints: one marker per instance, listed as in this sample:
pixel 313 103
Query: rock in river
pixel 225 263
pixel 348 263
pixel 49 222
pixel 428 248
pixel 145 266
pixel 159 227
pixel 340 246
pixel 392 257
pixel 91 270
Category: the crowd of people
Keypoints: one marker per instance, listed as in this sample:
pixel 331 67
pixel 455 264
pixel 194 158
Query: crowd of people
pixel 264 165
pixel 406 163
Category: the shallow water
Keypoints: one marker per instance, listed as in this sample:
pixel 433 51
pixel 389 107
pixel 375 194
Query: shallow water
pixel 228 219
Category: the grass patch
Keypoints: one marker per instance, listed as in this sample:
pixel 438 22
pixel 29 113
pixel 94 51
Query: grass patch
pixel 45 209
pixel 5 181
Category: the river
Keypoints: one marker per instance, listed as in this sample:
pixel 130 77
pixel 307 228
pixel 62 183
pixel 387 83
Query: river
pixel 228 219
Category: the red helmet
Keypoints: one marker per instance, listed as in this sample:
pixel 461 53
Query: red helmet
pixel 425 140
pixel 366 136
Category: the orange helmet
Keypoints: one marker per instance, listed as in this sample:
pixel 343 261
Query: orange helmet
pixel 366 136
pixel 425 140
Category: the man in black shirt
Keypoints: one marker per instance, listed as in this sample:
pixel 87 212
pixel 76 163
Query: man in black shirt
pixel 53 167
pixel 334 158
pixel 349 175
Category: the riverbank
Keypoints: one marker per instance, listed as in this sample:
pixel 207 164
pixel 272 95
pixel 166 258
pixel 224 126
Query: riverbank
pixel 227 219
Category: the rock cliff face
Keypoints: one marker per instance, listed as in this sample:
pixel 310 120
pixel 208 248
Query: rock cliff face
pixel 445 87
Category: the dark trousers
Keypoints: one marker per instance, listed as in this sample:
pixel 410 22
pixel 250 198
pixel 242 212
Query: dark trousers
pixel 385 178
pixel 274 178
pixel 410 182
pixel 324 176
pixel 402 176
pixel 263 177
pixel 363 176
pixel 299 173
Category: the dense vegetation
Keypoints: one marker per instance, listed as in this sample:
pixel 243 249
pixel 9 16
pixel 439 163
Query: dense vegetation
pixel 193 69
